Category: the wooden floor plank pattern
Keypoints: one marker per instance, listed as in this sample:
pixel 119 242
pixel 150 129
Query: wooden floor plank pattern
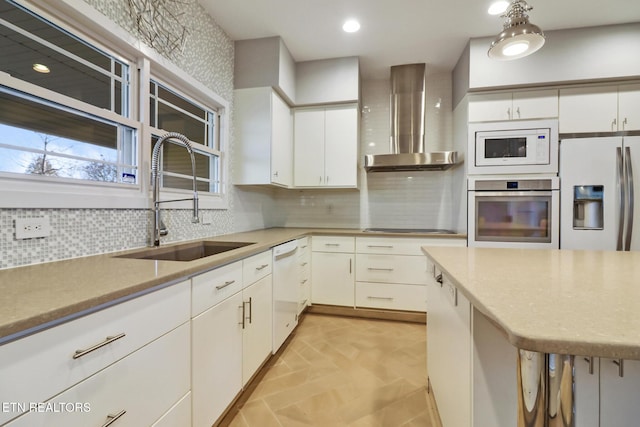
pixel 339 371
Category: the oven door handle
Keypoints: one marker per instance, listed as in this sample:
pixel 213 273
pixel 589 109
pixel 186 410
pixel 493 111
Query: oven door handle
pixel 528 193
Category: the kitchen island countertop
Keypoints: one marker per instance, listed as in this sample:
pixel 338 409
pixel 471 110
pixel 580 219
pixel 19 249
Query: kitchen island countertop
pixel 36 296
pixel 552 301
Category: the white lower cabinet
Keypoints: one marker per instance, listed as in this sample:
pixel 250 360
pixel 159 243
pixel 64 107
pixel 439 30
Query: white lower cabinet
pixel 619 392
pixel 587 391
pixel 232 338
pixel 217 360
pixel 449 352
pixel 333 272
pixel 179 414
pixel 42 365
pixel 304 269
pixel 137 390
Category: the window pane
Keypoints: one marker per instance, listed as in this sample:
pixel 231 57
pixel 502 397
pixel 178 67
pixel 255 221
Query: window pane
pixel 184 183
pixel 176 159
pixel 19 51
pixel 172 120
pixel 39 139
pixel 180 102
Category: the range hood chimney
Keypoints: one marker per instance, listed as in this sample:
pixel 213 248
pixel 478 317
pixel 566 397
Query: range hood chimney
pixel 407 127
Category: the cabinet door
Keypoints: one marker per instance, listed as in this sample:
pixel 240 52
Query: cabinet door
pixel 216 376
pixel 619 395
pixel 629 107
pixel 332 278
pixel 490 107
pixel 308 139
pixel 588 110
pixel 587 391
pixel 341 147
pixel 281 142
pixel 256 337
pixel 535 104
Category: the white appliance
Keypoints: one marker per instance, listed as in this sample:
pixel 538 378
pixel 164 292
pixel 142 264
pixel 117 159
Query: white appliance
pixel 598 209
pixel 514 147
pixel 285 291
pixel 514 212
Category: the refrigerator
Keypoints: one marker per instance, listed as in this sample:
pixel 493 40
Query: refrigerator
pixel 598 176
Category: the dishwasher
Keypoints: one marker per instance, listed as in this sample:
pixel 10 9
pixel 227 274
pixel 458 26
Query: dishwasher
pixel 285 291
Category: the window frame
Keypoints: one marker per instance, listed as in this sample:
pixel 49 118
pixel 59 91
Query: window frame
pixel 86 23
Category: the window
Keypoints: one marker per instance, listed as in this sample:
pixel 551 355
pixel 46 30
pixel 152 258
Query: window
pixel 43 132
pixel 171 112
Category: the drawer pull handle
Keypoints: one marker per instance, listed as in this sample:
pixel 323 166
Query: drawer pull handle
pixel 79 353
pixel 439 279
pixel 381 246
pixel 620 364
pixel 332 244
pixel 262 267
pixel 113 418
pixel 589 361
pixel 302 247
pixel 230 282
pixel 244 312
pixel 382 298
pixel 379 269
pixel 303 282
pixel 303 264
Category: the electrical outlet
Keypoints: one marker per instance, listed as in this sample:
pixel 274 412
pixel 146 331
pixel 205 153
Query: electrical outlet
pixel 29 228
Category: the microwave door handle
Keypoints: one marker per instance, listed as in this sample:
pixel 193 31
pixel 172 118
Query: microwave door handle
pixel 630 201
pixel 621 206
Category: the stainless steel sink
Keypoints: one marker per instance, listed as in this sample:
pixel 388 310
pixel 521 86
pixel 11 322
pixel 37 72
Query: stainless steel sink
pixel 186 251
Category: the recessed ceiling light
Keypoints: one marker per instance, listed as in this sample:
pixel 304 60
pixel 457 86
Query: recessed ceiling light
pixel 351 26
pixel 41 68
pixel 498 7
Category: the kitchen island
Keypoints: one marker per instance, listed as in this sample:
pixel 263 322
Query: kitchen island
pixel 544 314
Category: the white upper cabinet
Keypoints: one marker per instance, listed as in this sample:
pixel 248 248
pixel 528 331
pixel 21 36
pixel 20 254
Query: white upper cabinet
pixel 600 109
pixel 326 147
pixel 513 105
pixel 264 138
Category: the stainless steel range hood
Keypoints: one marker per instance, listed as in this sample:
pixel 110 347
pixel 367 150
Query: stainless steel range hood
pixel 407 127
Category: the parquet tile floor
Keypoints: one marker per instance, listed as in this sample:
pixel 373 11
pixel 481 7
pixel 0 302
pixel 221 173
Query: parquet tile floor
pixel 339 371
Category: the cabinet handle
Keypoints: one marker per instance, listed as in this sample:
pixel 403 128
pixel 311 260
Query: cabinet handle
pixel 243 314
pixel 350 265
pixel 518 111
pixel 381 246
pixel 332 244
pixel 303 282
pixel 275 173
pixel 79 353
pixel 327 180
pixel 439 279
pixel 589 360
pixel 382 298
pixel 113 418
pixel 613 124
pixel 624 123
pixel 250 309
pixel 509 113
pixel 262 267
pixel 320 180
pixel 379 269
pixel 303 264
pixel 230 282
pixel 620 364
pixel 302 247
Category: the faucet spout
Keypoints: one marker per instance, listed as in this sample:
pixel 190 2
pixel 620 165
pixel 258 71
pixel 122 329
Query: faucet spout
pixel 183 141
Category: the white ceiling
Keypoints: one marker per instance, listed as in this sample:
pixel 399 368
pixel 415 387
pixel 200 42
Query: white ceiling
pixel 397 31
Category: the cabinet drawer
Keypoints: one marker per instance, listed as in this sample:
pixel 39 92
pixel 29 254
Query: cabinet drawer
pixel 144 384
pixel 333 244
pixel 401 245
pixel 391 269
pixel 391 296
pixel 209 288
pixel 178 415
pixel 35 368
pixel 256 267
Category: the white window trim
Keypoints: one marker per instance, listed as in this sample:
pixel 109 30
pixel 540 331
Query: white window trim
pixel 22 191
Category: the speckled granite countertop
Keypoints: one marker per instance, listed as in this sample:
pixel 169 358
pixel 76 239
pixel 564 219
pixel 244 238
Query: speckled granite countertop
pixel 553 301
pixel 34 296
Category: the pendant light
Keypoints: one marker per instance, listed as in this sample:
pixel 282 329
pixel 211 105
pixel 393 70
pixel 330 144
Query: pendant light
pixel 519 38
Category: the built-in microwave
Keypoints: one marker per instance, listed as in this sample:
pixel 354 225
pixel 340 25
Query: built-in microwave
pixel 514 147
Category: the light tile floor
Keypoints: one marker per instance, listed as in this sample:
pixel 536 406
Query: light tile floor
pixel 339 371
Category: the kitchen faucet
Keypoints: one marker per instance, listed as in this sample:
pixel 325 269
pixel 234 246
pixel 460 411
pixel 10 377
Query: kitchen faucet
pixel 178 139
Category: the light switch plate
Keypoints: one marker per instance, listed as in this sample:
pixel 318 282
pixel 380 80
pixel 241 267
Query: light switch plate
pixel 29 228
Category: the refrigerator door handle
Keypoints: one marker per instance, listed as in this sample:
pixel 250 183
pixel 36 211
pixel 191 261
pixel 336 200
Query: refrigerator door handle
pixel 621 188
pixel 630 201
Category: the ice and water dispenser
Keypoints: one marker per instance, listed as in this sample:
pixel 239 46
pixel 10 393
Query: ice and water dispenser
pixel 588 207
